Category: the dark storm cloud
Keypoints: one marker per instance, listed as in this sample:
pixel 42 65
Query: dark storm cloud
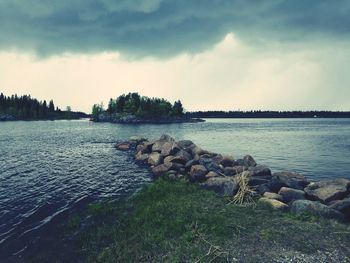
pixel 162 27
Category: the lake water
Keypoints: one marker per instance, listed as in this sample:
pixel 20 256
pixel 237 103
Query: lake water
pixel 48 168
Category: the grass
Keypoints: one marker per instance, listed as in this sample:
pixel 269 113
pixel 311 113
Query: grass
pixel 175 221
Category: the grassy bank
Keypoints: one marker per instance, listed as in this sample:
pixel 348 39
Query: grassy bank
pixel 174 221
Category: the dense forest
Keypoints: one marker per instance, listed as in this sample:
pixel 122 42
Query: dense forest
pixel 140 106
pixel 269 114
pixel 26 108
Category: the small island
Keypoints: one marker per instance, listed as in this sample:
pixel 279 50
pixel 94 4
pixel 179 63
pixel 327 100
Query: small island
pixel 136 109
pixel 26 108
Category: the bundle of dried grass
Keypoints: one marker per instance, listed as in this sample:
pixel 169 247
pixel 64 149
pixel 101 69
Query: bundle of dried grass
pixel 245 193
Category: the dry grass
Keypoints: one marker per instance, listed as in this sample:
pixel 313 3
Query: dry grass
pixel 245 193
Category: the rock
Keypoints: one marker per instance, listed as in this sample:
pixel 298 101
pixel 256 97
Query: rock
pixel 175 159
pixel 166 138
pixel 259 170
pixel 249 161
pixel 227 161
pixel 230 171
pixel 290 194
pixel 162 168
pixel 166 149
pixel 124 146
pixel 263 188
pixel 185 144
pixel 155 159
pixel 291 180
pixel 198 172
pixel 328 190
pixel 141 156
pixel 198 150
pixel 274 184
pixel 217 159
pixel 275 204
pixel 184 155
pixel 315 208
pixel 342 206
pixel 190 163
pixel 275 196
pixel 158 146
pixel 210 165
pixel 211 174
pixel 258 180
pixel 144 148
pixel 225 186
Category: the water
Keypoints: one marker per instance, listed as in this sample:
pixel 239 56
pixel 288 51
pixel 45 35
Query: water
pixel 50 167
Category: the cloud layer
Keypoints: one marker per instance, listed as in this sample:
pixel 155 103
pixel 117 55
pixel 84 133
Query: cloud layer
pixel 163 27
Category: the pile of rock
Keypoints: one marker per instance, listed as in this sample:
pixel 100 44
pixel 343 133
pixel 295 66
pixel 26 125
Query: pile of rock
pixel 213 171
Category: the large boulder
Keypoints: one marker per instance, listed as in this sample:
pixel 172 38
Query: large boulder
pixel 158 146
pixel 155 159
pixel 291 180
pixel 315 208
pixel 290 194
pixel 124 146
pixel 166 149
pixel 273 203
pixel 227 161
pixel 210 165
pixel 196 150
pixel 175 159
pixel 190 163
pixel 185 144
pixel 342 206
pixel 259 170
pixel 328 190
pixel 211 174
pixel 230 171
pixel 249 161
pixel 258 180
pixel 184 155
pixel 142 157
pixel 275 196
pixel 162 168
pixel 198 172
pixel 225 186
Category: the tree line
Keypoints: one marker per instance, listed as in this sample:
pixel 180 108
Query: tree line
pixel 268 114
pixel 27 108
pixel 140 107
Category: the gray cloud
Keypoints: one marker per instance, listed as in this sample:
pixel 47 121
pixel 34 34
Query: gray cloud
pixel 163 27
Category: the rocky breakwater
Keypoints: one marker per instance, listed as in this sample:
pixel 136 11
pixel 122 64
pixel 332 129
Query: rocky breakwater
pixel 285 191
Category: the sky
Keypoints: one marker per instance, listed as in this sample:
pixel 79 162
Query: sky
pixel 210 54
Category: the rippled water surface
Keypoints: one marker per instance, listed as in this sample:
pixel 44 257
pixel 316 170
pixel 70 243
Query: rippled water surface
pixel 50 167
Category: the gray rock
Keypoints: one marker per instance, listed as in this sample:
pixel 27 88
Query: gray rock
pixel 198 150
pixel 137 139
pixel 230 171
pixel 274 204
pixel 162 168
pixel 258 180
pixel 198 172
pixel 211 174
pixel 227 161
pixel 342 206
pixel 184 155
pixel 158 146
pixel 249 161
pixel 185 144
pixel 124 146
pixel 141 156
pixel 275 196
pixel 210 165
pixel 315 208
pixel 328 190
pixel 290 194
pixel 155 159
pixel 190 163
pixel 175 159
pixel 263 188
pixel 166 149
pixel 259 170
pixel 291 180
pixel 225 186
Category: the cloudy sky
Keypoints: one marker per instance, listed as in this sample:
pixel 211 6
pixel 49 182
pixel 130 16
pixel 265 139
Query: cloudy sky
pixel 211 54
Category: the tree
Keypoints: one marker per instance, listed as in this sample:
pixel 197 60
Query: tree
pixel 178 109
pixel 97 109
pixel 51 106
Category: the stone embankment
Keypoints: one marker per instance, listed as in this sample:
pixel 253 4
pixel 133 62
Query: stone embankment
pixel 285 191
